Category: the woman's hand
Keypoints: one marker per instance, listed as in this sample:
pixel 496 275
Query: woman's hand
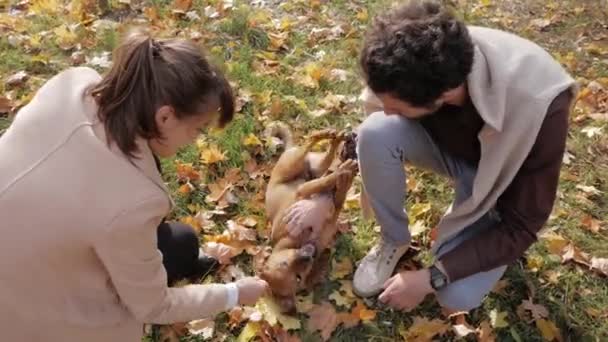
pixel 307 215
pixel 251 289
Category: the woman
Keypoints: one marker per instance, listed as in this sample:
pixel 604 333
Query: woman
pixel 81 199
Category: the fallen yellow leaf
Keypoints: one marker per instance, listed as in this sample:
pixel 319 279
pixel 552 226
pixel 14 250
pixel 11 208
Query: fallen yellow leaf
pixel 252 140
pixel 548 330
pixel 272 314
pixel 423 330
pixel 212 155
pixel 341 269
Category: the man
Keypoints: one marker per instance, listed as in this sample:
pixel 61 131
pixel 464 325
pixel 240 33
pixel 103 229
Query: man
pixel 483 107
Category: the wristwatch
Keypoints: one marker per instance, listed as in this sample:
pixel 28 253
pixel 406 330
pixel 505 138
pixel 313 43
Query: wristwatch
pixel 438 279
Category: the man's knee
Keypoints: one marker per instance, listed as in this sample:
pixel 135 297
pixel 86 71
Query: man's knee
pixel 376 137
pixel 457 300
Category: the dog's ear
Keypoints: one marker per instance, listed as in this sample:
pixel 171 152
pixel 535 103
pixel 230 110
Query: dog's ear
pixel 259 260
pixel 287 305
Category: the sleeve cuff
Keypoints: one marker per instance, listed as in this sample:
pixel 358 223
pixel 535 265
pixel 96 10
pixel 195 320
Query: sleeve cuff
pixel 232 296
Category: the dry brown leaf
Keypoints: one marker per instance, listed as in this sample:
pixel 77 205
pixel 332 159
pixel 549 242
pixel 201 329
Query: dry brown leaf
pixel 529 312
pixel 5 105
pixel 485 332
pixel 186 172
pixel 221 193
pixel 241 233
pixel 17 79
pixel 600 265
pixel 241 314
pixel 591 224
pixel 572 253
pixel 323 317
pixel 202 327
pixel 181 6
pixel 423 330
pixel 220 251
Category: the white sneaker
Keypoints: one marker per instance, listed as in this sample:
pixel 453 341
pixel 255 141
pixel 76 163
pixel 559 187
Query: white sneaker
pixel 376 268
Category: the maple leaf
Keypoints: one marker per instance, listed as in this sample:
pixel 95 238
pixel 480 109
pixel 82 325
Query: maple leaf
pixel 548 330
pixel 66 38
pixel 344 296
pixel 186 172
pixel 221 252
pixel 277 41
pixel 240 314
pixel 573 253
pixel 363 313
pixel 556 243
pixel 212 155
pixel 341 269
pixel 221 194
pixel 272 314
pixel 323 317
pixel 498 319
pixel 240 233
pixel 591 224
pixel 423 330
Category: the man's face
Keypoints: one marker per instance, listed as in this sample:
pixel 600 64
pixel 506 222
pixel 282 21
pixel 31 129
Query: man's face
pixel 394 106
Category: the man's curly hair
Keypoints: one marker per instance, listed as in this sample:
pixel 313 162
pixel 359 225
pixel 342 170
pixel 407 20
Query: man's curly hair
pixel 416 52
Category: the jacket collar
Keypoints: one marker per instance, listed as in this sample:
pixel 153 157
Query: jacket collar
pixel 487 95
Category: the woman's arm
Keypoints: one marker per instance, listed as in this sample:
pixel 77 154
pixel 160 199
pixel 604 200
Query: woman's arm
pixel 128 249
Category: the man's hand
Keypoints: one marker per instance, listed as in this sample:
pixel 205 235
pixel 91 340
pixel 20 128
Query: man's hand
pixel 250 290
pixel 406 290
pixel 307 215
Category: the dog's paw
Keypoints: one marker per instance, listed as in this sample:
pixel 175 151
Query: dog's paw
pixel 348 166
pixel 329 133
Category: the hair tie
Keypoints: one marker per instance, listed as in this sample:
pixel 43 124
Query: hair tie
pixel 156 47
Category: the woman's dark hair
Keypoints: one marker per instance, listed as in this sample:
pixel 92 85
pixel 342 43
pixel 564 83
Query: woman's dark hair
pixel 416 52
pixel 147 74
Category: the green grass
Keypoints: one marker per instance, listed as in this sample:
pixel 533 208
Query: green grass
pixel 234 43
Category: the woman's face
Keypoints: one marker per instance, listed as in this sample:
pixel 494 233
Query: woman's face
pixel 177 133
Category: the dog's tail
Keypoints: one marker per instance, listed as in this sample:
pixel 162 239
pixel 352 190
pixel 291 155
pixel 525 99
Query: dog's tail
pixel 279 130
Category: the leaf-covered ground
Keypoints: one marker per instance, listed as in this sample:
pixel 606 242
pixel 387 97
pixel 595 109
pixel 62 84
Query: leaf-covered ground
pixel 296 61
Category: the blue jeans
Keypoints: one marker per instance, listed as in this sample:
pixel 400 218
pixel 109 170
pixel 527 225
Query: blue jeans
pixel 385 143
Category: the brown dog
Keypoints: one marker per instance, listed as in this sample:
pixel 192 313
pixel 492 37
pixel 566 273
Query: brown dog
pixel 298 263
